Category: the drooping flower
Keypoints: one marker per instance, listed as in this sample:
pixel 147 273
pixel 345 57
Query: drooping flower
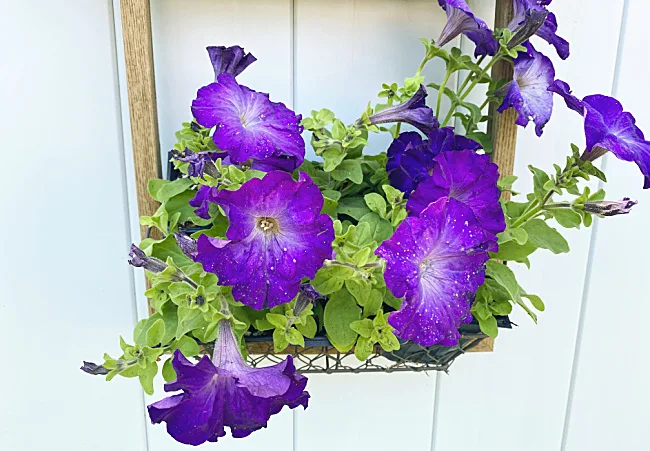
pixel 563 89
pixel 410 157
pixel 225 392
pixel 610 207
pixel 436 261
pixel 528 92
pixel 413 111
pixel 141 260
pixel 276 237
pixel 525 9
pixel 467 177
pixel 229 60
pixel 608 127
pixel 186 243
pixel 199 162
pixel 307 295
pixel 248 125
pixel 201 201
pixel 461 20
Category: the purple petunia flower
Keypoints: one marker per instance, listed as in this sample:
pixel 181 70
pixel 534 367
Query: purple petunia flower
pixel 201 201
pixel 608 127
pixel 410 158
pixel 248 124
pixel 413 111
pixel 229 60
pixel 525 10
pixel 610 207
pixel 461 19
pixel 467 177
pixel 437 262
pixel 199 162
pixel 225 392
pixel 528 92
pixel 276 237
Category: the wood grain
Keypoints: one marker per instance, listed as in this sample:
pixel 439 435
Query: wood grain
pixel 502 127
pixel 138 53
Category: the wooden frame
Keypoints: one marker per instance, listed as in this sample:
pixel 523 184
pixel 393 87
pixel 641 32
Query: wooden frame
pixel 138 52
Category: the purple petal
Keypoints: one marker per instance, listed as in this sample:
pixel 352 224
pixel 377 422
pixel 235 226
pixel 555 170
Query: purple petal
pixel 436 261
pixel 528 93
pixel 548 31
pixel 248 124
pixel 469 178
pixel 201 201
pixel 410 161
pixel 229 60
pixel 563 89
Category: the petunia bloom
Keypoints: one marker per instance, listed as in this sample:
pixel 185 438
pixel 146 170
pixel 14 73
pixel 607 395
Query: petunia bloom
pixel 229 60
pixel 248 125
pixel 410 157
pixel 201 201
pixel 140 260
pixel 528 92
pixel 413 111
pixel 461 20
pixel 225 392
pixel 276 237
pixel 525 10
pixel 436 261
pixel 608 127
pixel 467 177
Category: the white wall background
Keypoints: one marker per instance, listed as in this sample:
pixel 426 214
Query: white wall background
pixel 576 382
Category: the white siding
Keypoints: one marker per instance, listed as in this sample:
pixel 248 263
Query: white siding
pixel 575 382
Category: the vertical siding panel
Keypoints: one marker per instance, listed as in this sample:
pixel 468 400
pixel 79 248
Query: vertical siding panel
pixel 345 50
pixel 66 286
pixel 610 403
pixel 519 392
pixel 181 31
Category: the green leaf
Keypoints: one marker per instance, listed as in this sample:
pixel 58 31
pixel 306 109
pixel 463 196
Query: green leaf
pixel 566 217
pixel 380 229
pixel 279 321
pixel 330 279
pixel 146 377
pixel 353 206
pixel 350 170
pixel 363 349
pixel 511 251
pixel 155 333
pixel 280 340
pixel 364 327
pixel 189 319
pixel 373 304
pixel 163 190
pixel 392 194
pixel 188 346
pixel 536 301
pixel 376 203
pixel 502 275
pixel 542 235
pixel 296 338
pixel 308 329
pixel 168 372
pixel 333 157
pixel 359 289
pixel 489 326
pixel 340 311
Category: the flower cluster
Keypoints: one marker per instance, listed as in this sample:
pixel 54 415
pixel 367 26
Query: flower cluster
pixel 359 249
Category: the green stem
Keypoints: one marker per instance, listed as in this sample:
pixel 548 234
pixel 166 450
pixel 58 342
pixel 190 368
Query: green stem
pixel 484 104
pixel 480 75
pixel 469 75
pixel 441 90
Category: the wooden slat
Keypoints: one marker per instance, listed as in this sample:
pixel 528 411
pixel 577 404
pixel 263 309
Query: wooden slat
pixel 138 53
pixel 502 127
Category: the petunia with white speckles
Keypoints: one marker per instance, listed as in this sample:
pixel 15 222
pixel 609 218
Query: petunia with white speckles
pixel 437 268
